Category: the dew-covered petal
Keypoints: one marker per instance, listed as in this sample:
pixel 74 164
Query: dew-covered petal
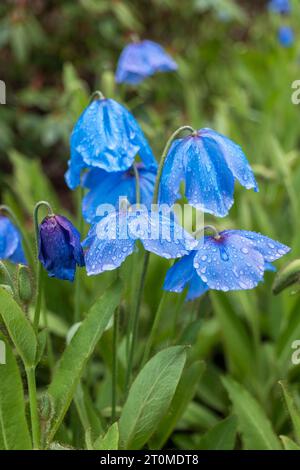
pixel 270 249
pixel 180 274
pixel 209 183
pixel 196 287
pixel 173 172
pixel 107 136
pixel 157 57
pixel 161 235
pixel 76 165
pixel 108 244
pixel 233 156
pixel 18 256
pixel 229 263
pixel 108 188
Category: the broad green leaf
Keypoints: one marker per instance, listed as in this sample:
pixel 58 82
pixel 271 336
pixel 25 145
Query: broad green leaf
pixel 184 394
pixel 108 441
pixel 150 396
pixel 15 432
pixel 254 425
pixel 19 328
pixel 288 444
pixel 89 418
pixel 71 365
pixel 220 437
pixel 292 409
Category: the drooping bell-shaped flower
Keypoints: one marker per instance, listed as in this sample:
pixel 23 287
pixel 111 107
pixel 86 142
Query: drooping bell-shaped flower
pixel 280 6
pixel 10 242
pixel 208 163
pixel 286 36
pixel 142 59
pixel 233 260
pixel 114 237
pixel 60 250
pixel 109 188
pixel 106 136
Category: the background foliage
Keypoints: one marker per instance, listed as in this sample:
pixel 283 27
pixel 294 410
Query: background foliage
pixel 233 76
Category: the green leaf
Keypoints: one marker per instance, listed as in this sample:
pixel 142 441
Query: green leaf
pixel 19 328
pixel 292 408
pixel 184 394
pixel 15 432
pixel 110 440
pixel 288 444
pixel 220 437
pixel 254 425
pixel 150 396
pixel 71 365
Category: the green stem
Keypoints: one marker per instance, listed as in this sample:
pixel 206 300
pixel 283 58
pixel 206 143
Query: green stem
pixel 38 300
pixel 96 95
pixel 51 359
pixel 137 185
pixel 115 365
pixel 25 241
pixel 77 299
pixel 35 424
pixel 9 279
pixel 146 257
pixel 136 320
pixel 156 321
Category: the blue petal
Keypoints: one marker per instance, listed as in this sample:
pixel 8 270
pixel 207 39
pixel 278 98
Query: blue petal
pixel 106 136
pixel 229 263
pixel 160 234
pixel 209 182
pixel 196 288
pixel 140 60
pixel 280 6
pixel 286 36
pixel 173 172
pixel 106 248
pixel 73 238
pixel 10 242
pixel 9 238
pixel 270 249
pixel 233 155
pixel 108 188
pixel 180 274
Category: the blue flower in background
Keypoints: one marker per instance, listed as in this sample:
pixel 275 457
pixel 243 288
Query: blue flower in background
pixel 236 260
pixel 59 247
pixel 208 163
pixel 140 60
pixel 280 6
pixel 114 237
pixel 286 36
pixel 108 137
pixel 10 242
pixel 108 188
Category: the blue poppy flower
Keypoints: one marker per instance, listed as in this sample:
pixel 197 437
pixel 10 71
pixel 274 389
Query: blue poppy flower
pixel 286 36
pixel 280 6
pixel 108 137
pixel 142 59
pixel 10 242
pixel 59 247
pixel 235 260
pixel 108 188
pixel 114 237
pixel 209 163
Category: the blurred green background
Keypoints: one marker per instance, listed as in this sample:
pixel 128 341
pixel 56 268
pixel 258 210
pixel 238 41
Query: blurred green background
pixel 233 76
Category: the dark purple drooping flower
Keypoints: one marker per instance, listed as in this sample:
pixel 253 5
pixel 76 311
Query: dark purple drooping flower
pixel 60 250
